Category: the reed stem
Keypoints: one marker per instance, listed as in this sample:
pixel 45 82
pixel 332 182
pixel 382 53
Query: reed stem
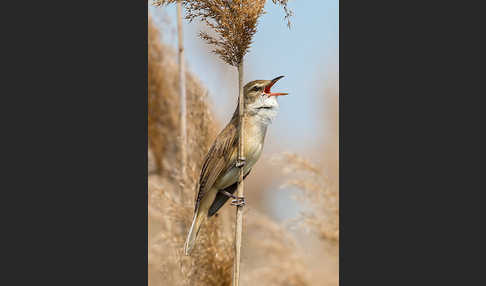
pixel 240 193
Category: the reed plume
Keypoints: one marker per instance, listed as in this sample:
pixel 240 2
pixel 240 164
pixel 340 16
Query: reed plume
pixel 234 22
pixel 288 12
pixel 318 191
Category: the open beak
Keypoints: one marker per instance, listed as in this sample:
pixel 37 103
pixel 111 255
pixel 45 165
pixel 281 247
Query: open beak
pixel 269 86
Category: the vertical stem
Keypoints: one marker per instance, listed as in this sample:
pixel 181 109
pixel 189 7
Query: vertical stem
pixel 239 209
pixel 182 91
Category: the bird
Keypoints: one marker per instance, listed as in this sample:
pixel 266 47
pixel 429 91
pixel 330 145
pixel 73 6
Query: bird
pixel 219 174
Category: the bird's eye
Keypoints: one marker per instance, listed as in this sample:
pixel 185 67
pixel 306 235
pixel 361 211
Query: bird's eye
pixel 255 88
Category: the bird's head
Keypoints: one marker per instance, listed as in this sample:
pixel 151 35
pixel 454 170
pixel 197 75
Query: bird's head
pixel 259 98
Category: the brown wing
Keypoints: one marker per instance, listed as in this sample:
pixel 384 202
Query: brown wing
pixel 218 159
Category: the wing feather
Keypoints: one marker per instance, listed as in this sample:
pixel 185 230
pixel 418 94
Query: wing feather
pixel 218 159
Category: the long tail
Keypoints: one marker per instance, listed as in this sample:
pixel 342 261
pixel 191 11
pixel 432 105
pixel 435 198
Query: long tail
pixel 199 217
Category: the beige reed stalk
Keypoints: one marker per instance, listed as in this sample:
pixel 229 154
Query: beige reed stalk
pixel 240 189
pixel 182 93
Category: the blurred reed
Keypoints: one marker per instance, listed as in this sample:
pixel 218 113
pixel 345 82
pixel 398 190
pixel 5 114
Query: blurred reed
pixel 272 256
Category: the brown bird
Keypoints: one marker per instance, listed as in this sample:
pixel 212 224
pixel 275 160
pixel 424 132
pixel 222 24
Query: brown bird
pixel 219 173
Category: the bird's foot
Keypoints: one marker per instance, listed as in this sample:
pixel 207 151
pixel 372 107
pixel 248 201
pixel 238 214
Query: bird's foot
pixel 240 162
pixel 238 201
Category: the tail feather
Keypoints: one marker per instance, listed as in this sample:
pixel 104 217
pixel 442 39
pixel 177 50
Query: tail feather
pixel 193 231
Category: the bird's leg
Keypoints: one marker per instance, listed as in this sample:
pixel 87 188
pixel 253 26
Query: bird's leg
pixel 240 162
pixel 237 201
pixel 228 194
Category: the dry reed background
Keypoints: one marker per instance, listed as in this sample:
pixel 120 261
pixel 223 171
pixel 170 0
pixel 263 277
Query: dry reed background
pixel 272 255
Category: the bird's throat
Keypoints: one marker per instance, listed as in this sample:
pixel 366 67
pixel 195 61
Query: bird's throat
pixel 266 114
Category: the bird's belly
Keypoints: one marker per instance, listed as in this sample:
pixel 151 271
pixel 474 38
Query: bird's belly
pixel 231 176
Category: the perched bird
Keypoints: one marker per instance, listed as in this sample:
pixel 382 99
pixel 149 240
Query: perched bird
pixel 219 173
